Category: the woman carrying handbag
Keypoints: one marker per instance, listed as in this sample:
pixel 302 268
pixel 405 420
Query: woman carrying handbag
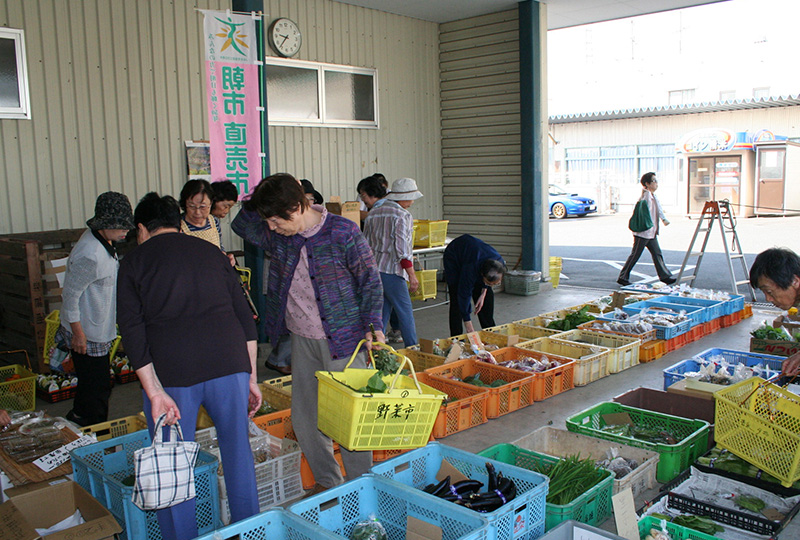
pixel 644 225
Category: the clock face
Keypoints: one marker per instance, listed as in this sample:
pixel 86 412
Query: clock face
pixel 285 37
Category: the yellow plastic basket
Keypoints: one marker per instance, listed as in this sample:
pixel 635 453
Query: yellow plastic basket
pixel 17 394
pixel 430 233
pixel 591 362
pixel 624 351
pixel 116 428
pixel 555 271
pixel 400 418
pixel 52 322
pixel 760 422
pixel 427 285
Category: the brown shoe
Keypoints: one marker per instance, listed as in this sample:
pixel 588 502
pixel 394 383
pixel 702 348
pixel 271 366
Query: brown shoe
pixel 283 370
pixel 318 488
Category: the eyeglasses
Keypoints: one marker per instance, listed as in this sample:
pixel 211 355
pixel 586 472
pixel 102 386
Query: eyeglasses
pixel 197 206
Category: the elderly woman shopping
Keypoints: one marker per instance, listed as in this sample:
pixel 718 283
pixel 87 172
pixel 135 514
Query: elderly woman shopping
pixel 324 288
pixel 197 199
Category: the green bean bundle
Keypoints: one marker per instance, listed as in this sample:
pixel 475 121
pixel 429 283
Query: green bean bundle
pixel 570 477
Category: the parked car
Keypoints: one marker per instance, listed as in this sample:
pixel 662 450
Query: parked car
pixel 563 203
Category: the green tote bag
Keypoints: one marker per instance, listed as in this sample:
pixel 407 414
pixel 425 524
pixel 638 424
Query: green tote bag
pixel 640 220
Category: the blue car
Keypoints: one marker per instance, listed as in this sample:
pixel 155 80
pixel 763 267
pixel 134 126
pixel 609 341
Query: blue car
pixel 563 204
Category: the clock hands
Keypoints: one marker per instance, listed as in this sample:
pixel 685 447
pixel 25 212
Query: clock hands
pixel 285 37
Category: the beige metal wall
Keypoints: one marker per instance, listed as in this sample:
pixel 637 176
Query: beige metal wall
pixel 117 86
pixel 479 64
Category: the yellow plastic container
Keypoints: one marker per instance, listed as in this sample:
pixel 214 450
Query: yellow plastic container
pixel 17 394
pixel 52 322
pixel 400 418
pixel 427 285
pixel 555 271
pixel 430 233
pixel 760 422
pixel 116 428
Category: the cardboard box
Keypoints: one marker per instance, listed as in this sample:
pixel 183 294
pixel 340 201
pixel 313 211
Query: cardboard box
pixel 350 210
pixel 680 388
pixel 44 504
pixel 774 346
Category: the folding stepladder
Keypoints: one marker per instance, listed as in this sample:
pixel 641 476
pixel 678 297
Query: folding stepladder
pixel 718 211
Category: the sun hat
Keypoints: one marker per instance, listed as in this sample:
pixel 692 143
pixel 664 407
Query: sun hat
pixel 112 210
pixel 404 189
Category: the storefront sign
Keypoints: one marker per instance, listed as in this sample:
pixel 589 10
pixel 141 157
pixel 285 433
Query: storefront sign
pixel 233 98
pixel 706 140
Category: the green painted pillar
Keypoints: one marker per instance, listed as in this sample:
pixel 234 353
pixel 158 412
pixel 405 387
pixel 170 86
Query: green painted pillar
pixel 533 135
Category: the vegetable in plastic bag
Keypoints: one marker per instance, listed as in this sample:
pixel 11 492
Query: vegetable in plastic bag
pixel 372 529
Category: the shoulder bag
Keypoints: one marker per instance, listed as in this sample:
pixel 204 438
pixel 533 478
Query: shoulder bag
pixel 641 219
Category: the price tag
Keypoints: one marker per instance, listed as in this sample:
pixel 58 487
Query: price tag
pixel 59 456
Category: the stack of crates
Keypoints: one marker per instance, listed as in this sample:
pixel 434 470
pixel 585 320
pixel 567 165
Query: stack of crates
pixel 277 466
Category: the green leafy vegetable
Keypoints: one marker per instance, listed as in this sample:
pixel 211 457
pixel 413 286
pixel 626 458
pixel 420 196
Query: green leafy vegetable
pixel 754 504
pixel 385 361
pixel 768 332
pixel 698 523
pixel 569 478
pixel 572 320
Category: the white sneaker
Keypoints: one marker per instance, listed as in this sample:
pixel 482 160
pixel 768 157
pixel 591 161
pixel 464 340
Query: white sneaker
pixel 394 336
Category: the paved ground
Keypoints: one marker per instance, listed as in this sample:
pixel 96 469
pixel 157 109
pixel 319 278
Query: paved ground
pixel 594 248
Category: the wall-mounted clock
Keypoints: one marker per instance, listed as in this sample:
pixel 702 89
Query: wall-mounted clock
pixel 285 37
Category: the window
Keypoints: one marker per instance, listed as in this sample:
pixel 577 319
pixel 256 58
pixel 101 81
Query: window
pixel 761 93
pixel 727 95
pixel 681 97
pixel 314 94
pixel 14 98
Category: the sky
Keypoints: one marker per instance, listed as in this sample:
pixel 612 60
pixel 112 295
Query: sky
pixel 734 46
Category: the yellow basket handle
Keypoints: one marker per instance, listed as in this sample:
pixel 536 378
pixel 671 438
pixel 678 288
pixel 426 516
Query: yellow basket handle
pixel 405 361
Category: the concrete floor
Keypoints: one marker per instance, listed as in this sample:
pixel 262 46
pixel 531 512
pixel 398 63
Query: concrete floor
pixel 433 323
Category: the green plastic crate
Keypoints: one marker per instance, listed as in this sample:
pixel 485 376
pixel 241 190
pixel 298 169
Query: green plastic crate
pixel 592 507
pixel 676 532
pixel 673 458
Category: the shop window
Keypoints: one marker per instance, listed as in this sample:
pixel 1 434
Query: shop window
pixel 315 94
pixel 681 97
pixel 761 93
pixel 14 97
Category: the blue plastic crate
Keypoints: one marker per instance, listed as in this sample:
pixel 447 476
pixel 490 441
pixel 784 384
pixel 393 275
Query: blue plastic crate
pixel 274 524
pixel 100 469
pixel 713 308
pixel 524 517
pixel 339 509
pixel 736 303
pixel 662 332
pixel 695 314
pixel 677 371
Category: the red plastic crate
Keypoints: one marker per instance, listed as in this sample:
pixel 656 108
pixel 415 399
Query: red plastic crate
pixel 730 320
pixel 652 350
pixel 547 383
pixel 516 393
pixel 125 378
pixel 59 395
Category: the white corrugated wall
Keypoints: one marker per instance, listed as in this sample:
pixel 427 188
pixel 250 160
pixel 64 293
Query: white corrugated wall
pixel 118 86
pixel 479 64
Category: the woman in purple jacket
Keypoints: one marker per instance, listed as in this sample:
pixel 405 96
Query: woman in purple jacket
pixel 325 290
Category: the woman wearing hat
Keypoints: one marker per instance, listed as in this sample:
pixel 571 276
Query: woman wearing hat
pixel 89 305
pixel 388 230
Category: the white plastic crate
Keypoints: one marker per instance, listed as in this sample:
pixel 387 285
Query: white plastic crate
pixel 269 495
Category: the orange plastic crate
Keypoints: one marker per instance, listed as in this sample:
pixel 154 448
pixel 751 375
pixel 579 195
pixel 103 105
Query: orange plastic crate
pixel 676 343
pixel 652 350
pixel 515 394
pixel 730 320
pixel 421 360
pixel 307 477
pixel 547 383
pixel 712 326
pixel 747 312
pixel 467 408
pixel 698 332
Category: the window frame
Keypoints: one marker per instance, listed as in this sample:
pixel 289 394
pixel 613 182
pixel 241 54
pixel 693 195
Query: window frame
pixel 323 121
pixel 23 112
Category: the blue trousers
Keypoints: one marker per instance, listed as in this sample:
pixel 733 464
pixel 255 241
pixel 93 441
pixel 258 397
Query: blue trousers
pixel 226 400
pixel 396 296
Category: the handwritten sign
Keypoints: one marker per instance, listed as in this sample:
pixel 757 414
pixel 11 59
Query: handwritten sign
pixel 61 455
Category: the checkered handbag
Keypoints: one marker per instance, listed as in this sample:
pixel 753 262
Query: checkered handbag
pixel 164 470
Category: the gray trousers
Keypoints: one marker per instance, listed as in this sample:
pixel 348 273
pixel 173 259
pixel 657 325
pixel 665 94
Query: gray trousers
pixel 308 356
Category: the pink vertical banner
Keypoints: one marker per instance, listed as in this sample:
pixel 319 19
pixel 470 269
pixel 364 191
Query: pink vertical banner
pixel 233 99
